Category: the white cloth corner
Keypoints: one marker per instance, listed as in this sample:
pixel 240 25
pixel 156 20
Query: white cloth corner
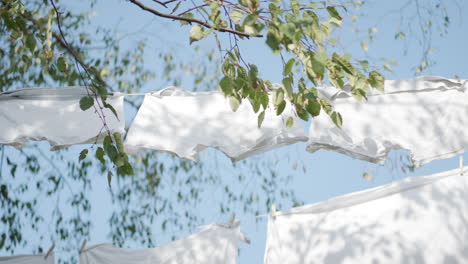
pixel 214 244
pixel 185 123
pixel 415 220
pixel 28 259
pixel 428 116
pixel 54 114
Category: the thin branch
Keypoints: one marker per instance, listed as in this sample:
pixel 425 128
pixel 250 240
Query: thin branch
pixel 161 3
pixel 191 20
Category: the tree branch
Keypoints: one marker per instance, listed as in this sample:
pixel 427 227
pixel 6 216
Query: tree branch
pixel 191 20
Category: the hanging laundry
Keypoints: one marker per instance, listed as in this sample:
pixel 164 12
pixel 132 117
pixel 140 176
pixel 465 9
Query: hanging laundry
pixel 28 259
pixel 54 114
pixel 185 123
pixel 427 116
pixel 415 220
pixel 214 244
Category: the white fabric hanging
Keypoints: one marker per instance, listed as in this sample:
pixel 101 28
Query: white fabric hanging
pixel 54 114
pixel 214 244
pixel 185 123
pixel 427 116
pixel 28 259
pixel 415 220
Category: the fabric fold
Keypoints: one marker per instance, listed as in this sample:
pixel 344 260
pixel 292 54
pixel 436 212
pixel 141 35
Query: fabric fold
pixel 415 220
pixel 54 115
pixel 214 244
pixel 185 123
pixel 28 259
pixel 427 116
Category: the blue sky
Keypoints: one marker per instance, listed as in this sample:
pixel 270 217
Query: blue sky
pixel 328 174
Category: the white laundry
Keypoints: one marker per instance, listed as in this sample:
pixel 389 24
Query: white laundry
pixel 54 114
pixel 415 220
pixel 28 259
pixel 214 244
pixel 185 123
pixel 427 116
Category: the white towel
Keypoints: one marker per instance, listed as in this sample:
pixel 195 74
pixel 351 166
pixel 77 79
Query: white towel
pixel 415 220
pixel 185 123
pixel 54 114
pixel 28 259
pixel 215 244
pixel 427 116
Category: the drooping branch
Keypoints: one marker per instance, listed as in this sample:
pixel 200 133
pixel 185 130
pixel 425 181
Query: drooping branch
pixel 192 20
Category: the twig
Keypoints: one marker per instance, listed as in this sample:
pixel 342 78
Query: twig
pixel 191 20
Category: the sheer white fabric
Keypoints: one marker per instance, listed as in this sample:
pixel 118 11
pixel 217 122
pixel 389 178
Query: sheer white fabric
pixel 215 244
pixel 427 116
pixel 54 114
pixel 185 123
pixel 28 259
pixel 415 220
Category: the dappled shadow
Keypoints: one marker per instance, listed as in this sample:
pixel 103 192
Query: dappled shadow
pixel 429 122
pixel 186 124
pixel 214 244
pixel 416 220
pixel 54 115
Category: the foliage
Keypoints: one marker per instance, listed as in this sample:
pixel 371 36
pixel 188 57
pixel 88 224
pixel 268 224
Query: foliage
pixel 44 44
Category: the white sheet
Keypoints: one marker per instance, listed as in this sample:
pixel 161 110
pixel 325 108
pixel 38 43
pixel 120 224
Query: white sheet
pixel 185 123
pixel 415 220
pixel 427 116
pixel 215 244
pixel 54 114
pixel 28 259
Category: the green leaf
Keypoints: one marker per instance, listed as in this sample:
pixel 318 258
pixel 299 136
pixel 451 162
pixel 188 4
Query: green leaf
pixel 234 102
pixel 109 178
pixel 364 45
pixel 86 102
pixel 280 108
pixel 62 64
pixel 288 67
pixel 364 64
pixel 31 42
pixel 319 60
pixel 376 80
pixel 119 142
pixel 302 113
pixel 334 13
pixel 287 83
pixel 226 86
pixel 260 118
pixel 110 150
pixel 289 122
pixel 250 20
pixel 336 118
pixel 313 107
pixel 278 97
pixel 100 155
pixel 196 33
pixel 83 154
pixel 186 15
pixel 236 16
pixel 344 63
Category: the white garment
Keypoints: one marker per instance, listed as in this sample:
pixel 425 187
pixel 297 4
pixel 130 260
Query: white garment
pixel 54 114
pixel 215 244
pixel 427 116
pixel 28 259
pixel 415 220
pixel 185 123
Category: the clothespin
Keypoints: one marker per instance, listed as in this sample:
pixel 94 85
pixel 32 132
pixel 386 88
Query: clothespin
pixel 233 218
pixel 273 211
pixel 49 251
pixel 82 246
pixel 461 165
